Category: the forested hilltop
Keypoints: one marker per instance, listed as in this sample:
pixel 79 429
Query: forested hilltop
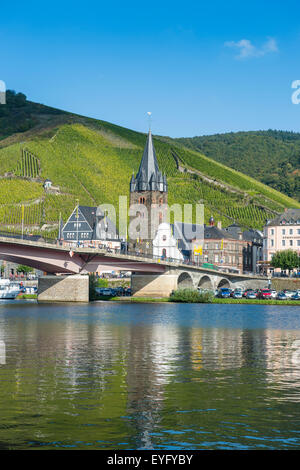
pixel 20 115
pixel 272 157
pixel 93 161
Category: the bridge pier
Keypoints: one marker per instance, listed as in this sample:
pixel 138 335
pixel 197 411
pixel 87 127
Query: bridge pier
pixel 153 285
pixel 70 288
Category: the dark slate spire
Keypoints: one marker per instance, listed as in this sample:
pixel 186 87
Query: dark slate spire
pixel 148 178
pixel 132 183
pixel 149 161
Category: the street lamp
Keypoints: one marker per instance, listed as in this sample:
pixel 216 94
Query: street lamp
pixel 77 217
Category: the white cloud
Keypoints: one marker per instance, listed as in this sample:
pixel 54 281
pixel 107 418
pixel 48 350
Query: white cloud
pixel 247 49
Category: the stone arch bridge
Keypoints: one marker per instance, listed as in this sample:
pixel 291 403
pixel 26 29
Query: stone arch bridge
pixel 150 277
pixel 186 276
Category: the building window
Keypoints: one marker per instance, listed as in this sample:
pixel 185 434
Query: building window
pixel 291 231
pixel 206 246
pixel 283 231
pixel 291 242
pixel 164 237
pixel 298 242
pixel 283 242
pixel 217 246
pixel 272 231
pixel 272 242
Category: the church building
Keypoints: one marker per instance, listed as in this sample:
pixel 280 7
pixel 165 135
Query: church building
pixel 149 188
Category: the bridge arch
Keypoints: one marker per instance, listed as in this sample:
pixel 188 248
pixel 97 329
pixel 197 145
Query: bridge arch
pixel 185 281
pixel 223 283
pixel 205 282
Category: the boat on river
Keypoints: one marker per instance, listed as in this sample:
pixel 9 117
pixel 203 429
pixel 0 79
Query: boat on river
pixel 8 289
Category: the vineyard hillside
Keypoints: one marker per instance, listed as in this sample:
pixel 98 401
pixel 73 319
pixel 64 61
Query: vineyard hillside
pixel 93 160
pixel 272 157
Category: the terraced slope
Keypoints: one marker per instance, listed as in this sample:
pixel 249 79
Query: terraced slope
pixel 93 161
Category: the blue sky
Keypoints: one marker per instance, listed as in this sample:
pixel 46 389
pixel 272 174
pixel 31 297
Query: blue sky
pixel 199 67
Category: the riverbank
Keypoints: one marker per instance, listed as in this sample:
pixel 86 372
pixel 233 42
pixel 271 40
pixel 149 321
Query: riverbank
pixel 26 296
pixel 137 300
pixel 214 301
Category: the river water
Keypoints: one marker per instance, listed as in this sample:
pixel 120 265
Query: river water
pixel 109 375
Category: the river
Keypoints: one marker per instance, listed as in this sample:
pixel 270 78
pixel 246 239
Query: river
pixel 111 375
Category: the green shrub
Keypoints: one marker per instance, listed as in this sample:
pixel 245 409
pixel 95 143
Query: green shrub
pixel 191 296
pixel 102 283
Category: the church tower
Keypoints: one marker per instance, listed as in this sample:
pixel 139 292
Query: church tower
pixel 150 188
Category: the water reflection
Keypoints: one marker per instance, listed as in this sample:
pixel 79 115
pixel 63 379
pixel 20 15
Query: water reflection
pixel 134 376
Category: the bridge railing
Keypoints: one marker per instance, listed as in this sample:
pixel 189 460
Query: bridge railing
pixel 28 237
pixel 101 246
pixel 109 250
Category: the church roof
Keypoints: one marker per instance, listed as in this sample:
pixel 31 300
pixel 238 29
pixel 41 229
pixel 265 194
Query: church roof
pixel 149 178
pixel 149 161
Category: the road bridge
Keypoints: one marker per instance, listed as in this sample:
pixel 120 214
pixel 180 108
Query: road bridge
pixel 150 276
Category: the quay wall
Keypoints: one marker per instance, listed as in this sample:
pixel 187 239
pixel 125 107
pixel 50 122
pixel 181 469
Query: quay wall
pixel 285 283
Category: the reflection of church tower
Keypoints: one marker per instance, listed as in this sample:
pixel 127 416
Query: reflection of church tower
pixel 150 188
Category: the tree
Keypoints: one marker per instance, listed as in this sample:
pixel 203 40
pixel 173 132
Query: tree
pixel 285 259
pixel 24 269
pixel 92 286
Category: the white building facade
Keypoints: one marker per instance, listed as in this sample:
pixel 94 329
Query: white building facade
pixel 165 244
pixel 282 233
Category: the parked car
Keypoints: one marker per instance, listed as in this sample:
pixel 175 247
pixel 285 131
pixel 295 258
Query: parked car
pixel 289 293
pixel 249 291
pixel 105 291
pixel 251 294
pixel 237 294
pixel 273 293
pixel 296 296
pixel 120 291
pixel 246 292
pixel 264 294
pixel 281 296
pixel 224 293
